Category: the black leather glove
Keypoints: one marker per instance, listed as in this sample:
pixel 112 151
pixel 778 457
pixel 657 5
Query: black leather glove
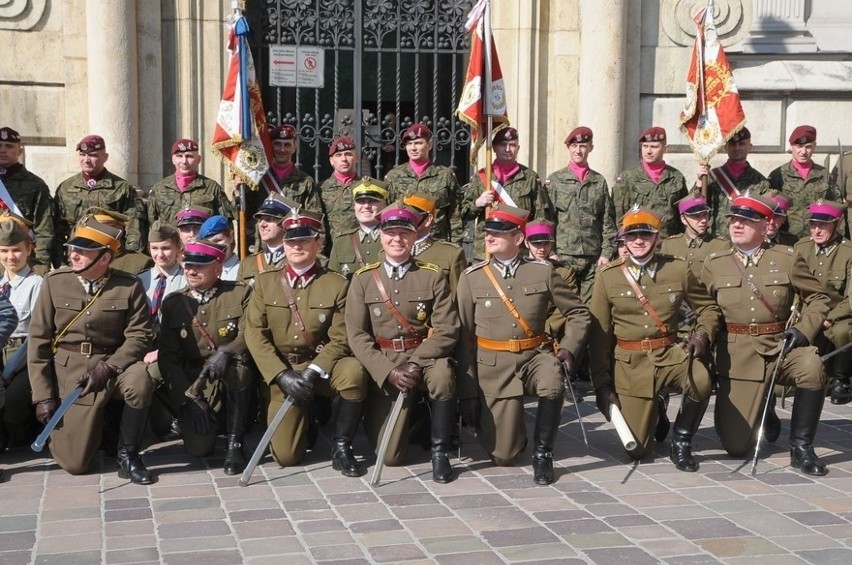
pixel 197 416
pixel 293 385
pixel 697 344
pixel 469 411
pixel 45 409
pixel 566 358
pixel 96 379
pixel 217 364
pixel 605 397
pixel 792 339
pixel 405 377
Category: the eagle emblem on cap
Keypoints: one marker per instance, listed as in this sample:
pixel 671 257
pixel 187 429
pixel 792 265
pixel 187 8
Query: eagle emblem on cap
pixel 182 147
pixel 84 147
pixel 4 135
pixel 635 207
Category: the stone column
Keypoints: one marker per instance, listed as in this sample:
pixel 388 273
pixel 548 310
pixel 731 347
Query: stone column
pixel 112 81
pixel 603 78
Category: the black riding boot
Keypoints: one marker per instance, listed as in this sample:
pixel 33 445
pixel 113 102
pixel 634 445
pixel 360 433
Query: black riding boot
pixel 443 417
pixel 547 419
pixel 807 407
pixel 345 426
pixel 235 426
pixel 663 423
pixel 840 391
pixel 772 427
pixel 130 465
pixel 686 424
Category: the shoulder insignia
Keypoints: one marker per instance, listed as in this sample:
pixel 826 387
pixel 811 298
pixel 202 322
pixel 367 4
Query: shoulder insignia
pixel 476 266
pixel 449 244
pixel 428 266
pixel 369 267
pixel 613 264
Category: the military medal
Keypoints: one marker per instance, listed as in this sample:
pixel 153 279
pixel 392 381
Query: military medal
pixel 421 312
pixel 183 333
pixel 322 318
pixel 377 311
pixel 487 304
pixel 223 332
pixel 672 297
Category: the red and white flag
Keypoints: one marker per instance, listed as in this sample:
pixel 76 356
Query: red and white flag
pixel 241 137
pixel 713 111
pixel 480 100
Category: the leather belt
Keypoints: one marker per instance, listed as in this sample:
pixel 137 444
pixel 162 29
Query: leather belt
pixel 400 343
pixel 513 345
pixel 297 358
pixel 756 329
pixel 86 348
pixel 647 344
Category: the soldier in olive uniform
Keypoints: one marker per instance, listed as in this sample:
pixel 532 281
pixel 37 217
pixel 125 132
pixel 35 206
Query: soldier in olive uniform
pixel 730 180
pixel 829 256
pixel 511 183
pixel 131 262
pixel 335 192
pixel 186 187
pixel 696 243
pixel 202 337
pixel 402 326
pixel 586 214
pixel 189 220
pixel 801 180
pixel 653 184
pixel 503 351
pixel 96 186
pixel 420 174
pixel 269 218
pixel 29 192
pixel 90 328
pixel 776 227
pixel 754 284
pixel 302 348
pixel 361 246
pixel 636 310
pixel 449 256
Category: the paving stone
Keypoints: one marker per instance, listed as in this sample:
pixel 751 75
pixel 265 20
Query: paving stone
pixel 17 540
pixel 371 510
pixel 81 558
pixel 70 514
pixel 395 537
pixel 414 499
pixel 739 546
pixel 18 523
pixel 632 555
pixel 816 518
pixel 668 547
pixel 628 520
pixel 130 542
pixel 70 527
pixel 455 544
pixel 589 541
pixel 16 557
pixel 127 514
pixel 540 553
pixel 181 545
pixel 396 553
pixel 263 529
pixel 571 527
pixel 807 541
pixel 840 556
pixel 561 515
pixel 522 536
pixel 283 545
pixel 351 498
pixel 480 558
pixel 172 504
pixel 336 552
pixel 693 559
pixel 205 557
pixel 193 530
pixel 133 555
pixel 182 516
pixel 256 515
pixel 705 528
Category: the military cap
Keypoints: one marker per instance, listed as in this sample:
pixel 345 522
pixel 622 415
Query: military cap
pixel 825 211
pixel 91 144
pixel 192 215
pixel 184 145
pixel 752 208
pixel 504 135
pixel 803 135
pixel 275 206
pixel 399 215
pixel 14 229
pixel 504 218
pixel 9 135
pixel 740 135
pixel 540 230
pixel 284 131
pixel 638 220
pixel 302 224
pixel 368 187
pixel 214 225
pixel 580 134
pixel 421 201
pixel 692 204
pixel 341 143
pixel 92 234
pixel 653 133
pixel 780 203
pixel 417 131
pixel 162 232
pixel 107 216
pixel 203 252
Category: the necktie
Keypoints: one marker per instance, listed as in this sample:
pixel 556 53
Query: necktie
pixel 6 289
pixel 157 298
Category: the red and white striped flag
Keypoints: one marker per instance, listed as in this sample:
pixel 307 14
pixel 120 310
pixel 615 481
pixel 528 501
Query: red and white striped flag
pixel 713 111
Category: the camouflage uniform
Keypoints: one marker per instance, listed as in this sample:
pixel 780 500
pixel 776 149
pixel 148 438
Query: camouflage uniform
pixel 166 200
pixel 32 196
pixel 751 180
pixel 801 192
pixel 337 205
pixel 633 186
pixel 440 183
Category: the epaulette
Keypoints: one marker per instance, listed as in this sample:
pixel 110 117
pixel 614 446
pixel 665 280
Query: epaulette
pixel 124 274
pixel 449 244
pixel 783 249
pixel 428 266
pixel 369 267
pixel 61 270
pixel 724 253
pixel 612 264
pixel 476 266
pixel 675 236
pixel 330 272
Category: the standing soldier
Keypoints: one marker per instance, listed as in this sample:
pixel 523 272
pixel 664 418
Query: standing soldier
pixel 361 246
pixel 420 174
pixel 754 284
pixel 775 227
pixel 512 183
pixel 302 348
pixel 28 192
pixel 96 186
pixel 696 242
pixel 90 328
pixel 335 192
pixel 269 218
pixel 829 257
pixel 730 180
pixel 202 337
pixel 653 184
pixel 801 180
pixel 186 187
pixel 585 212
pixel 503 351
pixel 636 309
pixel 406 341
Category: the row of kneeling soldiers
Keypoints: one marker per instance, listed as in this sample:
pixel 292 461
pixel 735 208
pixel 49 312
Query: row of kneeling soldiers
pixel 399 326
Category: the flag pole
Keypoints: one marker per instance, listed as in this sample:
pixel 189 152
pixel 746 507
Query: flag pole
pixel 242 217
pixel 702 97
pixel 486 91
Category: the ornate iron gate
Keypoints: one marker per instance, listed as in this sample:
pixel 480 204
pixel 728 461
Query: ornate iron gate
pixel 388 64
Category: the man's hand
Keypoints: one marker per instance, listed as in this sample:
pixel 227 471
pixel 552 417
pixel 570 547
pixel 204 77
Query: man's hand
pixel 703 170
pixel 603 261
pixel 792 339
pixel 217 364
pixel 697 344
pixel 151 356
pixel 97 379
pixel 45 409
pixel 469 411
pixel 485 199
pixel 606 397
pixel 405 377
pixel 293 385
pixel 197 415
pixel 566 358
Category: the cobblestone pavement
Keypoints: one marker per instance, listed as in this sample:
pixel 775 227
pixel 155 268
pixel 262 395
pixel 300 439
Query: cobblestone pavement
pixel 601 509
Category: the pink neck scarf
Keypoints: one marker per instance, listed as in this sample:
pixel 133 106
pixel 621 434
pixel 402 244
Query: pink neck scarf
pixel 183 181
pixel 344 179
pixel 504 170
pixel 282 171
pixel 803 170
pixel 654 170
pixel 419 167
pixel 580 171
